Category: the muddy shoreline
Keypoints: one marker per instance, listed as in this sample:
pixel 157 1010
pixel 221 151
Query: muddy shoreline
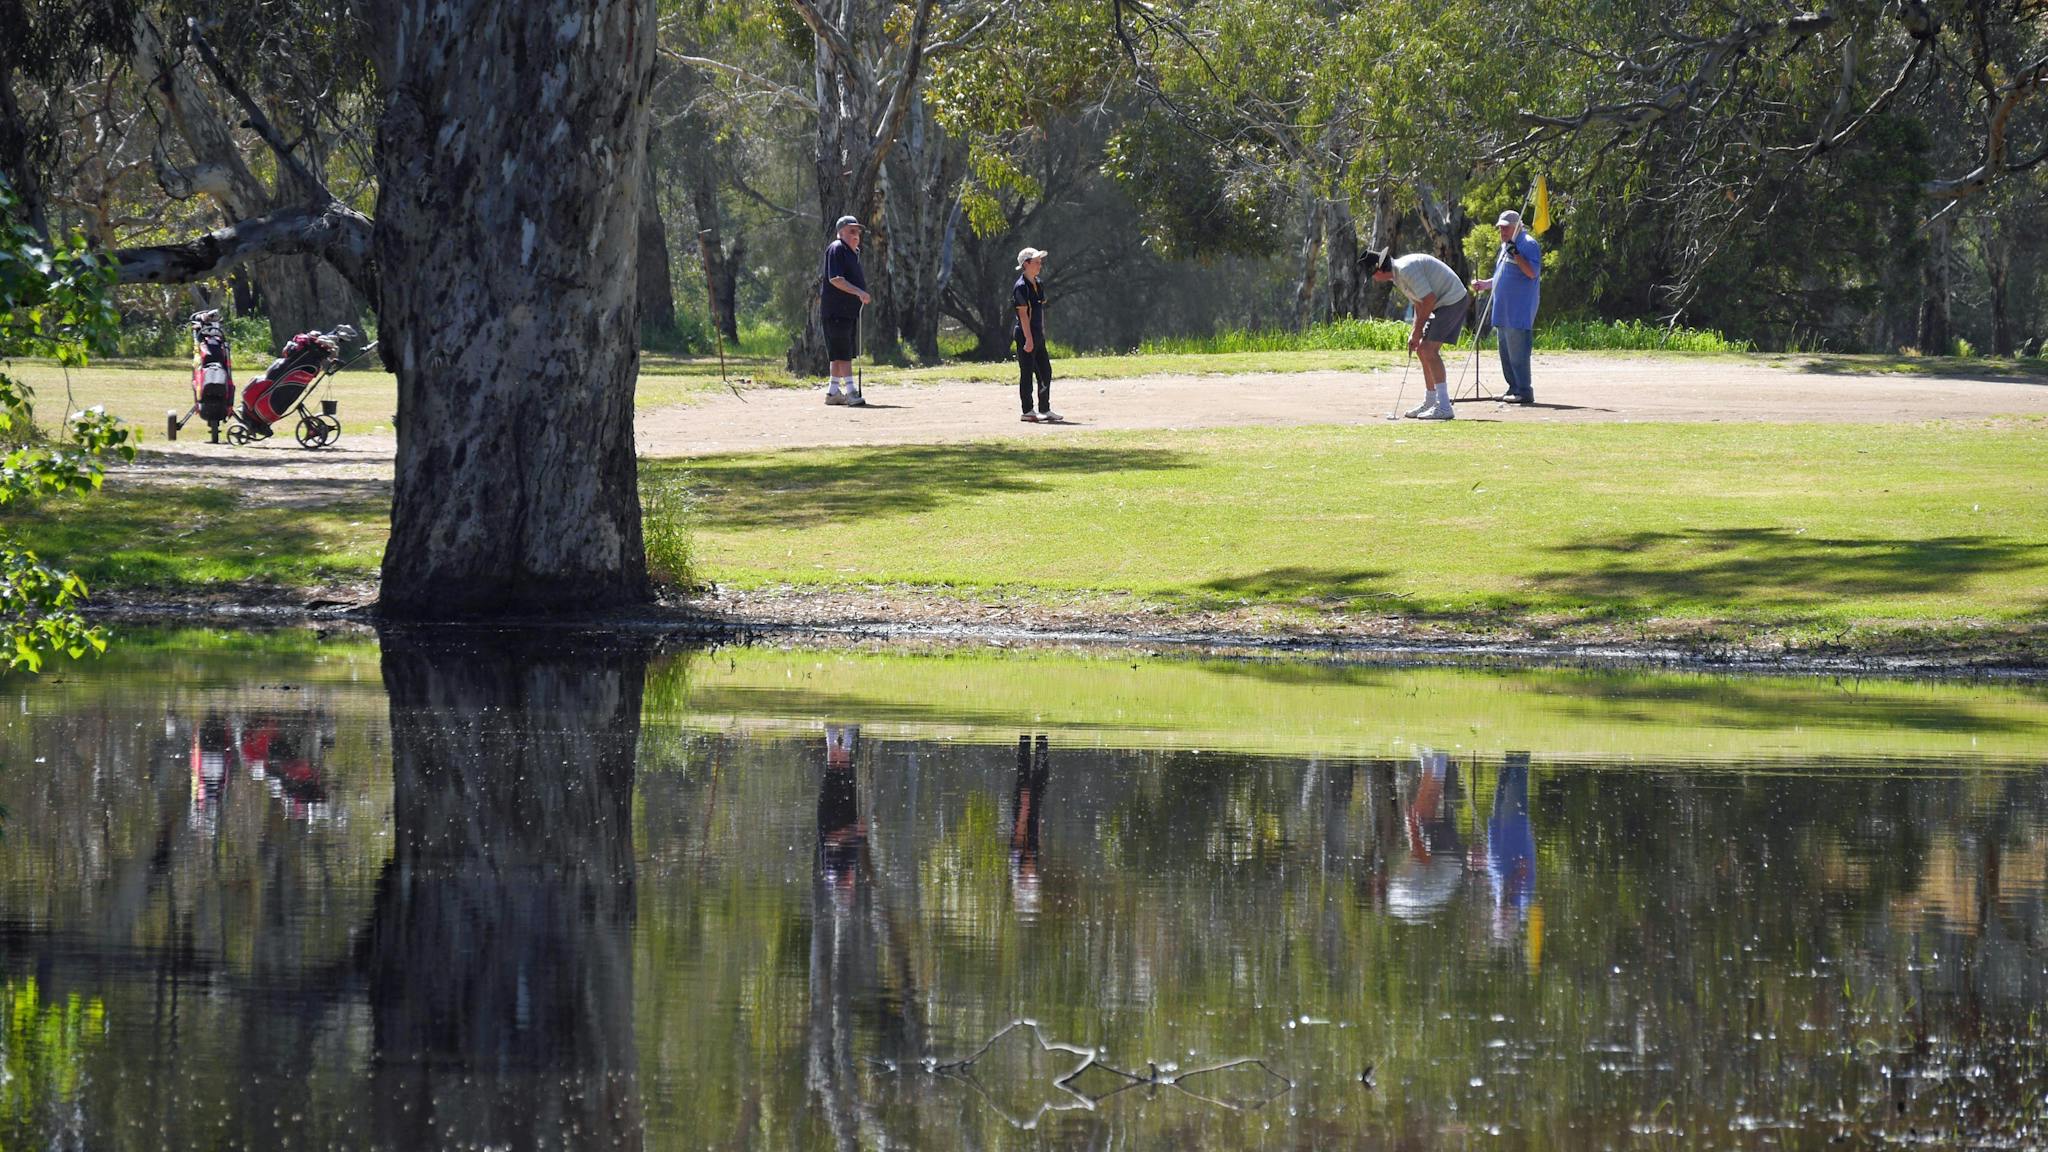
pixel 912 621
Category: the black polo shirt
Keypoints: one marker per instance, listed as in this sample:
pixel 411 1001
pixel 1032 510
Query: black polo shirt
pixel 1025 294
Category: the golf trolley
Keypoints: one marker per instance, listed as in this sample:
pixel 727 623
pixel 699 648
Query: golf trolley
pixel 284 390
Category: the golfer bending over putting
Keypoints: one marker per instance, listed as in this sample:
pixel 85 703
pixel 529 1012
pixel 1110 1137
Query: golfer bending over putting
pixel 1440 302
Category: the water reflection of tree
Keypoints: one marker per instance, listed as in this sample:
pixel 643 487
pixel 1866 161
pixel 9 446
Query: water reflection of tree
pixel 500 955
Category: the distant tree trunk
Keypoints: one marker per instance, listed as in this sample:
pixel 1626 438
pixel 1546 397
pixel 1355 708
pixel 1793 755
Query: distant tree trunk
pixel 15 163
pixel 656 285
pixel 298 292
pixel 880 320
pixel 1386 233
pixel 1311 250
pixel 721 264
pixel 1998 271
pixel 865 77
pixel 1936 335
pixel 1340 245
pixel 922 188
pixel 508 254
pixel 499 955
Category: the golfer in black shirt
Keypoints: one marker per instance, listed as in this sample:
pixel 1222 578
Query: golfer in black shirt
pixel 843 289
pixel 1028 298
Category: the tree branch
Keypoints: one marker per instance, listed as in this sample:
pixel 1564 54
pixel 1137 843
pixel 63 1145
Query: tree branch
pixel 783 93
pixel 336 232
pixel 833 39
pixel 310 184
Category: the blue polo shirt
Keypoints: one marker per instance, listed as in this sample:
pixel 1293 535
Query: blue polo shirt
pixel 1514 291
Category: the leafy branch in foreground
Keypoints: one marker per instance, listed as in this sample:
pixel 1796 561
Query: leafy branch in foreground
pixel 54 301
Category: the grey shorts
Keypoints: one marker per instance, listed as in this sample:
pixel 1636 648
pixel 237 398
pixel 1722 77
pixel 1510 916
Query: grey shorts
pixel 1443 324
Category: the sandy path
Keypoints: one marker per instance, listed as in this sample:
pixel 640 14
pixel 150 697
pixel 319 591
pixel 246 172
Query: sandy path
pixel 1572 388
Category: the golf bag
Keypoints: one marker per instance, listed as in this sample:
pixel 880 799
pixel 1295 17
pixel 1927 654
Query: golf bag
pixel 270 396
pixel 213 370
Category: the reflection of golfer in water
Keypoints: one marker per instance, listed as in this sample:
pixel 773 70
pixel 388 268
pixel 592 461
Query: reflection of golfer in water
pixel 1511 847
pixel 861 977
pixel 1033 766
pixel 1428 878
pixel 842 834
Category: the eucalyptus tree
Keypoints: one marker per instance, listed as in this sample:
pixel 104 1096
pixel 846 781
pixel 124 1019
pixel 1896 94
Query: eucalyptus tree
pixel 503 257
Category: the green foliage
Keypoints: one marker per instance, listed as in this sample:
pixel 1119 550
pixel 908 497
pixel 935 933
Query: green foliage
pixel 43 1047
pixel 1392 336
pixel 665 514
pixel 54 301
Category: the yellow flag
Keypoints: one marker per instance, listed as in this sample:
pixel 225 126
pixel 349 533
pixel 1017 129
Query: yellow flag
pixel 1541 224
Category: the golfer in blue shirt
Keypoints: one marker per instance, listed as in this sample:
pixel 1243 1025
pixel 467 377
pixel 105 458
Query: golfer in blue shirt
pixel 1516 284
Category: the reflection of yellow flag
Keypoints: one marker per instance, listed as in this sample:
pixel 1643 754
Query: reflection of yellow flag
pixel 1541 224
pixel 1536 926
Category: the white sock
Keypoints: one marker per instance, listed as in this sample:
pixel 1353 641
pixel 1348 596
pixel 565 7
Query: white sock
pixel 832 386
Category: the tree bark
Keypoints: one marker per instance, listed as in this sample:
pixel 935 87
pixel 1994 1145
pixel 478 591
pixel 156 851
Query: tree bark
pixel 509 250
pixel 656 283
pixel 1998 272
pixel 1311 249
pixel 1936 334
pixel 721 264
pixel 922 187
pixel 499 955
pixel 15 162
pixel 1340 245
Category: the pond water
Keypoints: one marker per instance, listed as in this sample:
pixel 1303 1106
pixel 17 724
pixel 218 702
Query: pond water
pixel 516 891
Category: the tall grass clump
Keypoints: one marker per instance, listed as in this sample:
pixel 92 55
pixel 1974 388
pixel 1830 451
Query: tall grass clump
pixel 1631 336
pixel 665 516
pixel 1351 335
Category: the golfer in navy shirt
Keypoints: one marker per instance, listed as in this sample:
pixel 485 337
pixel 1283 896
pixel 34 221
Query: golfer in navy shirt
pixel 1517 282
pixel 842 289
pixel 1027 296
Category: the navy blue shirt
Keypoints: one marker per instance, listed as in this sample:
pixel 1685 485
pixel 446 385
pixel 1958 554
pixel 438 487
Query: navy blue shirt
pixel 1025 294
pixel 841 260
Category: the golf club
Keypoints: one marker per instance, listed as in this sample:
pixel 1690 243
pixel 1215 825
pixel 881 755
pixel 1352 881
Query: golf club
pixel 1479 334
pixel 1402 392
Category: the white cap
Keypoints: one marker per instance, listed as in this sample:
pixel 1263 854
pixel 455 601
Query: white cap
pixel 1026 254
pixel 1509 217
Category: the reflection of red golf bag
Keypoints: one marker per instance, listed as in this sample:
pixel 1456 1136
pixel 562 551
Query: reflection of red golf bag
pixel 268 397
pixel 271 751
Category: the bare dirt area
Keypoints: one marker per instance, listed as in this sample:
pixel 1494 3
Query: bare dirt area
pixel 1570 388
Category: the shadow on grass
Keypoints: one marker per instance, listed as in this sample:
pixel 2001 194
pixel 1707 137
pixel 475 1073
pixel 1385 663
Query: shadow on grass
pixel 153 536
pixel 802 490
pixel 2024 370
pixel 1298 585
pixel 1741 568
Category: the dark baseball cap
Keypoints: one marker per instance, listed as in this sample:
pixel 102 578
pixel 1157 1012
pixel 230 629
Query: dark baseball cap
pixel 1374 259
pixel 846 220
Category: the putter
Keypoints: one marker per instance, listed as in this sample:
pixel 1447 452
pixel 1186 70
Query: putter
pixel 1401 392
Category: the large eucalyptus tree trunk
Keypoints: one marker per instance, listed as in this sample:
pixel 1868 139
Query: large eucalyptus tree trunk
pixel 510 160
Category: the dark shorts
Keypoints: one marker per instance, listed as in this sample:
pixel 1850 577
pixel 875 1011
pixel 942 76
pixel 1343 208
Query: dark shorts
pixel 839 336
pixel 1443 324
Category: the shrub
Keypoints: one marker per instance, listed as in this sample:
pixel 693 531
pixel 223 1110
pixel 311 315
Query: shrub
pixel 666 511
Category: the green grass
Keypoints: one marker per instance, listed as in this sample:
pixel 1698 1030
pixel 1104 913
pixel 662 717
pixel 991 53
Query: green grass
pixel 1392 336
pixel 146 536
pixel 1788 527
pixel 1304 708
